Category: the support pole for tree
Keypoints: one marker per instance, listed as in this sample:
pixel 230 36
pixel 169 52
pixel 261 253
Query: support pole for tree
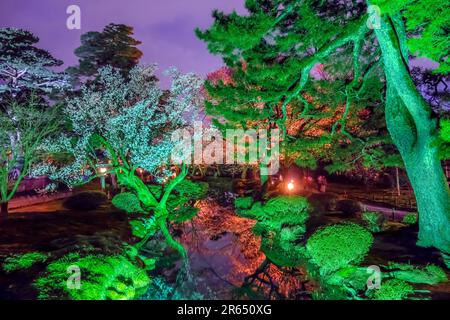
pixel 397 179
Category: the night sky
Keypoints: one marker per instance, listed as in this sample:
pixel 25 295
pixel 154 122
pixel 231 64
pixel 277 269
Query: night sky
pixel 165 27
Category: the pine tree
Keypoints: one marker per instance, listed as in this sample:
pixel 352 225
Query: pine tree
pixel 113 46
pixel 274 48
pixel 25 68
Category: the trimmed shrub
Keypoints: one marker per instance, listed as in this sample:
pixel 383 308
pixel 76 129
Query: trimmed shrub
pixel 103 278
pixel 411 218
pixel 393 289
pixel 85 201
pixel 349 207
pixel 23 261
pixel 336 246
pixel 127 202
pixel 374 221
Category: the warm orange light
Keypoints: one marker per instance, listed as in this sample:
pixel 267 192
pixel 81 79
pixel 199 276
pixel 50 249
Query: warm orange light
pixel 290 185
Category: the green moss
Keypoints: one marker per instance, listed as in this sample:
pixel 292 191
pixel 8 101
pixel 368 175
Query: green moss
pixel 375 221
pixel 102 278
pixel 127 202
pixel 334 247
pixel 393 289
pixel 411 218
pixel 23 261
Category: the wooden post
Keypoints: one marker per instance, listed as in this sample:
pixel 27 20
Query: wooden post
pixel 397 178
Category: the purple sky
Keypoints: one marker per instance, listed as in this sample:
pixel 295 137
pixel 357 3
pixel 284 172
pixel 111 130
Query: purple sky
pixel 165 27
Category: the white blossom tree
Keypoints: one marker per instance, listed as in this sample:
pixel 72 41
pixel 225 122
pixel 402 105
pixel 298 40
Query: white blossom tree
pixel 126 126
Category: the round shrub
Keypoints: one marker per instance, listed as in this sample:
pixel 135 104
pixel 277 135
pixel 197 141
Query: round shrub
pixel 430 274
pixel 286 205
pixel 411 218
pixel 336 246
pixel 85 201
pixel 349 207
pixel 394 289
pixel 375 221
pixel 127 202
pixel 102 278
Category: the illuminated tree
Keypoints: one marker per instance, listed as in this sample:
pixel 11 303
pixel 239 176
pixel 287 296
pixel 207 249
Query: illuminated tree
pixel 124 127
pixel 22 131
pixel 280 42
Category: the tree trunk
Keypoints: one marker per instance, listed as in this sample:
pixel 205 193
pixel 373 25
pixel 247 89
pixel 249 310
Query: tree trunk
pixel 413 130
pixel 4 211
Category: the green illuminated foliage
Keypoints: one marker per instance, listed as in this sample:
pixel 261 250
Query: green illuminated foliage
pixel 102 278
pixel 127 202
pixel 280 223
pixel 23 261
pixel 411 218
pixel 336 246
pixel 430 274
pixel 243 203
pixel 375 221
pixel 393 289
pixel 24 128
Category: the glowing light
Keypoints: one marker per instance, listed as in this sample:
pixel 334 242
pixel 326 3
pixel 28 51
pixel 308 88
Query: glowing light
pixel 290 185
pixel 102 170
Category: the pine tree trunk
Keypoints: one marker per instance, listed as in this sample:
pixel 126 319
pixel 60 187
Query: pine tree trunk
pixel 413 130
pixel 4 211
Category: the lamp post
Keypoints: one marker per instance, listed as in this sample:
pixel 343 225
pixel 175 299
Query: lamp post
pixel 102 170
pixel 290 186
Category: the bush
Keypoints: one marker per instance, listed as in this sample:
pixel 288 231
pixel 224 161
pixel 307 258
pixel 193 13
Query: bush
pixel 243 203
pixel 393 289
pixel 281 223
pixel 127 202
pixel 102 278
pixel 334 247
pixel 430 274
pixel 23 261
pixel 349 207
pixel 323 201
pixel 411 218
pixel 192 190
pixel 375 221
pixel 286 205
pixel 85 201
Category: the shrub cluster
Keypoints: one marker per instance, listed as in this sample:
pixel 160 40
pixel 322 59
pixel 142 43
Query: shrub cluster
pixel 336 246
